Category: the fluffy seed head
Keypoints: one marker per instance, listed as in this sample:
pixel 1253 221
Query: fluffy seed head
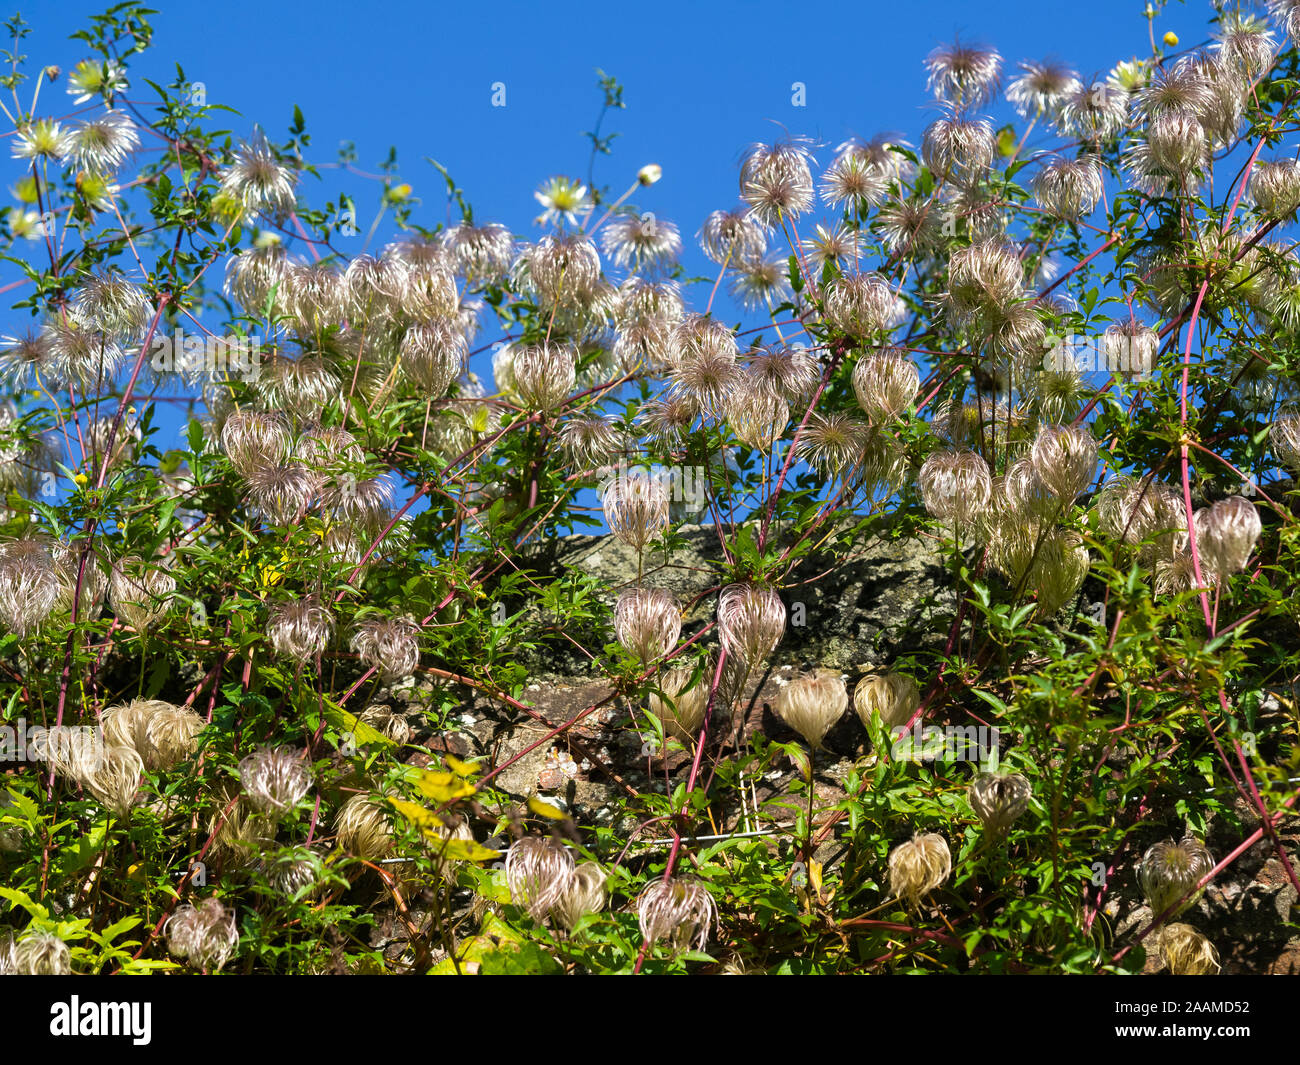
pixel 281 493
pixel 641 242
pixel 834 444
pixel 258 182
pixel 1275 188
pixel 1170 870
pixel 1225 536
pixel 1065 459
pixel 680 911
pixel 963 75
pixel 140 592
pixel 811 703
pixel 275 779
pixel 539 872
pixel 863 304
pixel 647 622
pixel 885 384
pixel 480 253
pixel 253 440
pixel 636 508
pixel 433 354
pixel 998 799
pixel 1187 952
pixel 1041 88
pixel 388 645
pixel 203 935
pixel 161 733
pixel 363 829
pixel 299 629
pixel 919 866
pixel 1284 436
pixel 42 954
pixel 891 697
pixel 29 585
pixel 955 485
pixel 732 238
pixel 958 150
pixel 544 375
pixel 681 707
pixel 751 621
pixel 586 894
pixel 1068 188
pixel 776 181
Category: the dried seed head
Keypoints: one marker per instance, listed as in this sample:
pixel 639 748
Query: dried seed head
pixel 1170 870
pixel 587 894
pixel 919 866
pixel 1187 952
pixel 679 911
pixel 893 697
pixel 641 242
pixel 388 645
pixel 756 415
pixel 776 181
pixel 636 508
pixel 1135 509
pixel 161 733
pixel 812 702
pixel 1131 347
pixel 1041 88
pixel 204 935
pixel 275 779
pixel 544 375
pixel 258 182
pixel 863 305
pixel 761 283
pixel 834 444
pixel 80 356
pixel 299 628
pixel 958 150
pixel 885 384
pixel 1065 459
pixel 998 799
pixel 110 304
pixel 253 440
pixel 1225 536
pixel 114 780
pixel 1058 569
pixel 29 585
pixel 253 274
pixel 685 699
pixel 1094 112
pixel 983 279
pixel 963 75
pixel 590 442
pixel 1275 188
pixel 42 954
pixel 141 592
pixel 562 269
pixel 293 870
pixel 1284 436
pixel 433 355
pixel 363 829
pixel 480 253
pixel 281 494
pixel 955 485
pixel 1068 188
pixel 102 144
pixel 647 622
pixel 732 237
pixel 1172 155
pixel 751 621
pixel 539 872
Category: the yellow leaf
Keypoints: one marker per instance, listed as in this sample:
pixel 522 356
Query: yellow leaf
pixel 438 786
pixel 545 809
pixel 461 769
pixel 425 820
pixel 466 850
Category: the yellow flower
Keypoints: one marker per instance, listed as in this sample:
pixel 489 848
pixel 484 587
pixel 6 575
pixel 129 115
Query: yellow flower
pixel 1171 39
